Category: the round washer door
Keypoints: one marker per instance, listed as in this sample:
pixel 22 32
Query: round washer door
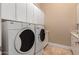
pixel 24 41
pixel 42 35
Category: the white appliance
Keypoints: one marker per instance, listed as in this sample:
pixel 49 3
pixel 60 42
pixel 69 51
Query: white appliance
pixel 40 52
pixel 18 38
pixel 41 38
pixel 75 42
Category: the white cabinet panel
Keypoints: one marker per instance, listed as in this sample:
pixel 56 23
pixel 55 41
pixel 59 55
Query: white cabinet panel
pixel 38 16
pixel 30 13
pixel 21 12
pixel 42 18
pixel 8 11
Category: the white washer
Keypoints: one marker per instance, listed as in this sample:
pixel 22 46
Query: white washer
pixel 40 52
pixel 45 42
pixel 18 38
pixel 41 39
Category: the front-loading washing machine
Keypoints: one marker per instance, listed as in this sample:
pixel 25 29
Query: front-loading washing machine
pixel 18 38
pixel 41 38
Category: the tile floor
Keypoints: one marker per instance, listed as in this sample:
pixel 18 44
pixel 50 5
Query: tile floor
pixel 57 51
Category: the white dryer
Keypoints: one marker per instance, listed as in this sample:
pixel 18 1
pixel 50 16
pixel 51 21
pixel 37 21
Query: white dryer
pixel 18 38
pixel 41 39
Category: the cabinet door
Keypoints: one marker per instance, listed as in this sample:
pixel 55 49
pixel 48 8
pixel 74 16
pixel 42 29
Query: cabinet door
pixel 30 13
pixel 35 15
pixel 21 12
pixel 8 11
pixel 42 18
pixel 39 17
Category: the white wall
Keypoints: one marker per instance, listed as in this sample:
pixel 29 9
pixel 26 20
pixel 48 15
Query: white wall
pixel 60 20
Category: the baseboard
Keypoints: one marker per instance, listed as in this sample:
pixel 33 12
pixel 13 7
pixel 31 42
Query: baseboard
pixel 59 45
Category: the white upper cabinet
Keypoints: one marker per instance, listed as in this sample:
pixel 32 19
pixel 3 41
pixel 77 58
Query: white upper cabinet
pixel 42 18
pixel 30 13
pixel 21 12
pixel 8 11
pixel 38 16
pixel 77 13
